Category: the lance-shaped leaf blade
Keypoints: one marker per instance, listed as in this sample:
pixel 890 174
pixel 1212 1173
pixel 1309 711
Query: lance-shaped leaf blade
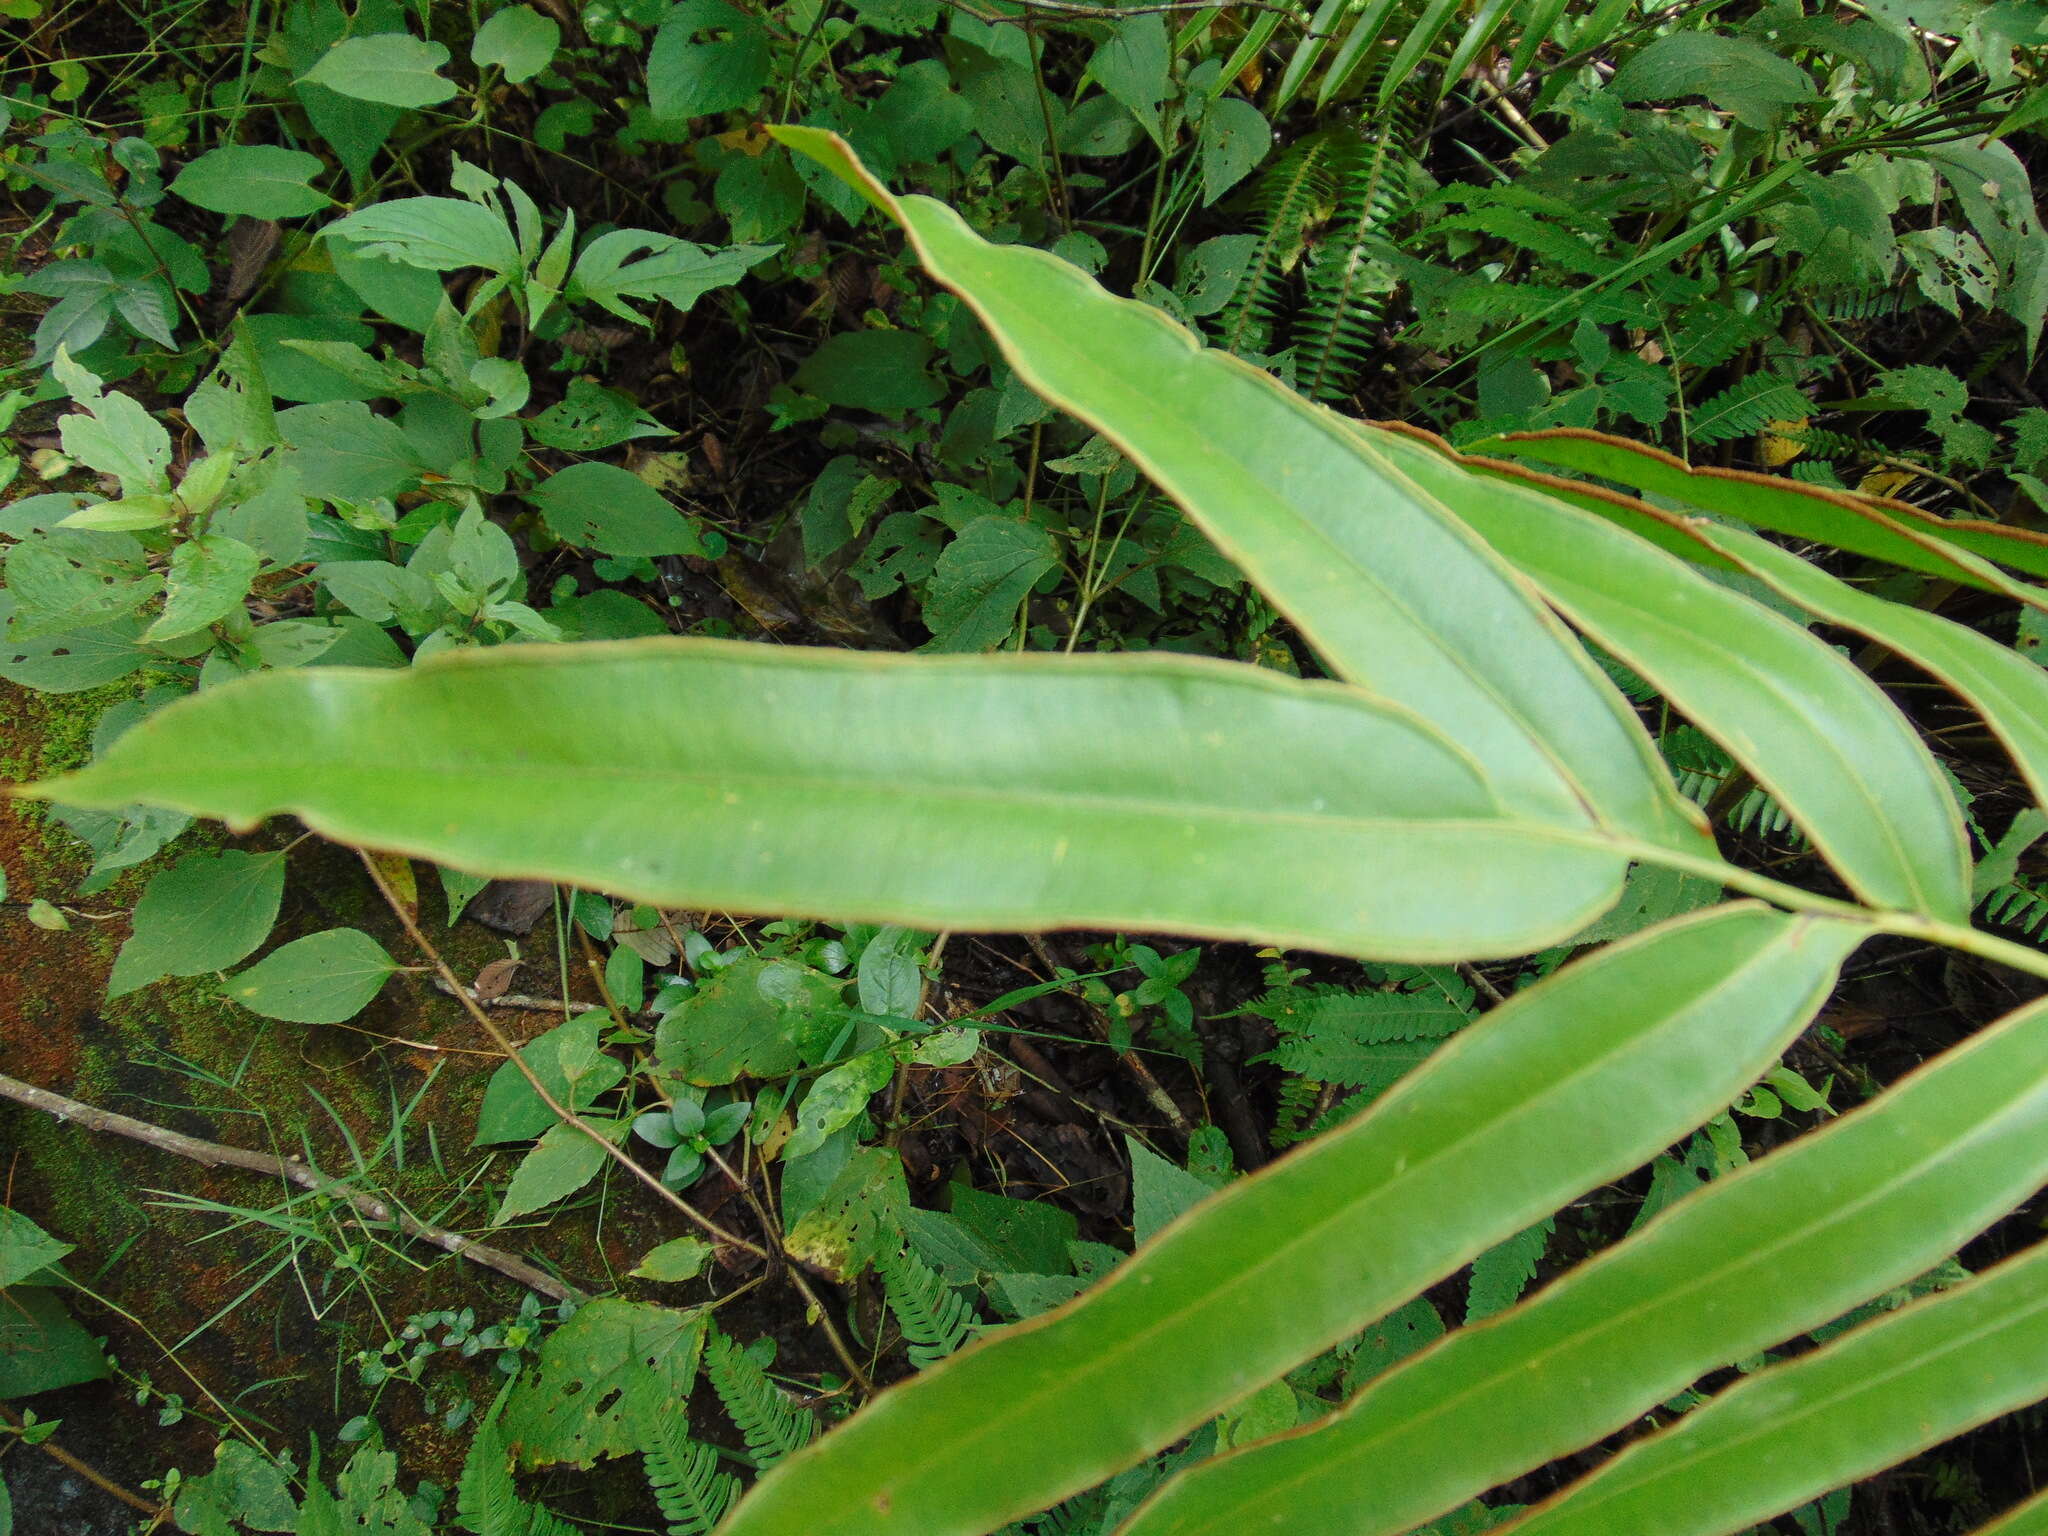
pixel 1815 731
pixel 1566 1085
pixel 1154 793
pixel 1887 530
pixel 1874 1397
pixel 1784 1245
pixel 2007 689
pixel 2028 1519
pixel 1395 593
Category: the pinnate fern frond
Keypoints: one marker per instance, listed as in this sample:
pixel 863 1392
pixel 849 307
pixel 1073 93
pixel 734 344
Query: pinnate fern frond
pixel 1349 276
pixel 1361 1039
pixel 934 1317
pixel 684 1474
pixel 487 1502
pixel 1745 408
pixel 2017 906
pixel 1291 195
pixel 772 1426
pixel 1297 1098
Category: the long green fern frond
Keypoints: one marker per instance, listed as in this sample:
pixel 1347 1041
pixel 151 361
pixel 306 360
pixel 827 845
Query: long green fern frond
pixel 691 1490
pixel 1350 276
pixel 1297 1102
pixel 769 1422
pixel 1291 196
pixel 487 1502
pixel 934 1317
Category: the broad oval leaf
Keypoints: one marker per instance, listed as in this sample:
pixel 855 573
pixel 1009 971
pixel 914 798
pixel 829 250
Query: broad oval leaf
pixel 261 181
pixel 1782 1246
pixel 519 40
pixel 1890 1388
pixel 394 68
pixel 1394 591
pixel 1816 732
pixel 320 979
pixel 205 913
pixel 1570 1083
pixel 1009 792
pixel 606 508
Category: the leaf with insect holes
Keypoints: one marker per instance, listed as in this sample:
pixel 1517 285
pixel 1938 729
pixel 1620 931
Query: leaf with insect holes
pixel 210 576
pixel 599 1375
pixel 603 507
pixel 1235 137
pixel 837 1098
pixel 690 75
pixel 393 68
pixel 258 181
pixel 323 978
pixel 205 913
pixel 639 264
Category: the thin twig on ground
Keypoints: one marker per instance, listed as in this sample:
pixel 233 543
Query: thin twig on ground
pixel 213 1154
pixel 91 1474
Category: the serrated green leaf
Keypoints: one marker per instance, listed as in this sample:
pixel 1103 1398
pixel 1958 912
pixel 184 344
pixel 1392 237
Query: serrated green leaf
pixel 562 1162
pixel 210 576
pixel 976 591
